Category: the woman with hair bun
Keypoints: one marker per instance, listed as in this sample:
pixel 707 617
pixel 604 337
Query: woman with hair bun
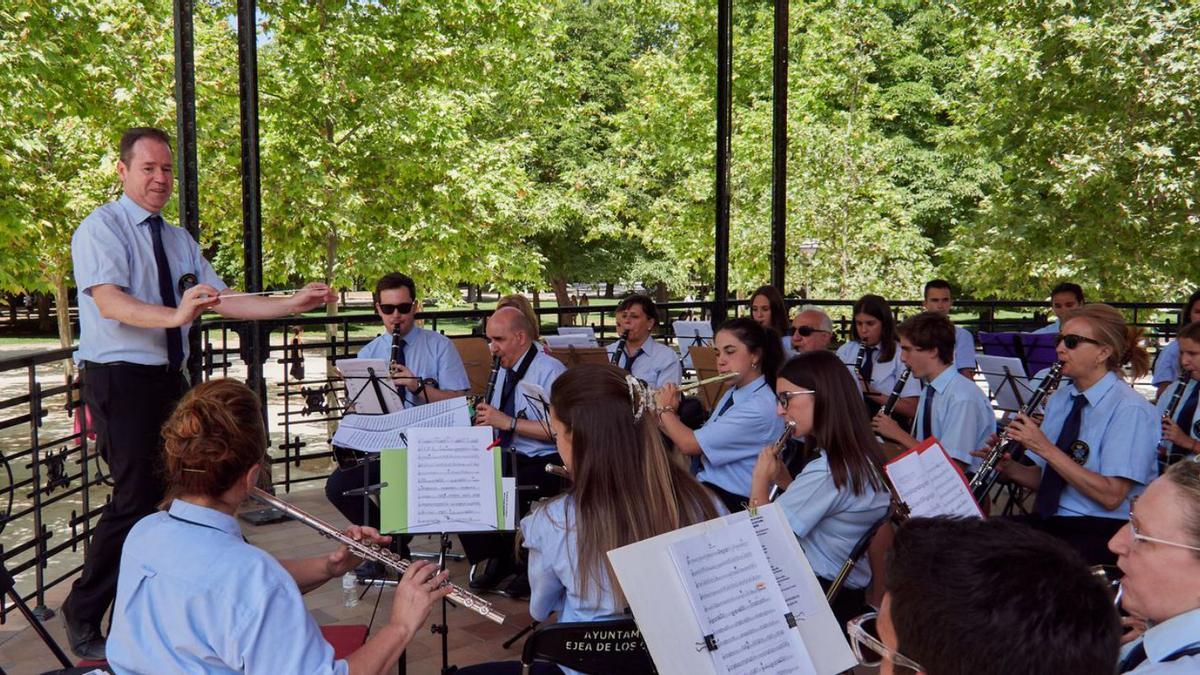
pixel 1097 446
pixel 194 596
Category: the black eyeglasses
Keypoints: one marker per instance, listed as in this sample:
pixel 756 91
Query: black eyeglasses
pixel 1072 340
pixel 403 308
pixel 805 331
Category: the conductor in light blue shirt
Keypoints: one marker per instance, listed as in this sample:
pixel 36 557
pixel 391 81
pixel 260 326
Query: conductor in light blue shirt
pixel 142 282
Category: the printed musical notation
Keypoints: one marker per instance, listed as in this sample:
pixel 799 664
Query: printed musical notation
pixel 927 480
pixel 375 433
pixel 738 603
pixel 451 480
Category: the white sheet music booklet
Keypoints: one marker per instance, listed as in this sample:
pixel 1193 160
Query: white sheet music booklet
pixel 731 595
pixel 931 484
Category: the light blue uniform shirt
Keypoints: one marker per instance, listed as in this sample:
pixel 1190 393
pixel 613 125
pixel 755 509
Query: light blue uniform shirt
pixel 786 341
pixel 883 373
pixel 543 371
pixel 427 354
pixel 829 521
pixel 113 246
pixel 1188 426
pixel 1166 366
pixel 193 597
pixel 658 365
pixel 730 442
pixel 1055 327
pixel 964 349
pixel 1163 640
pixel 549 534
pixel 1122 431
pixel 962 417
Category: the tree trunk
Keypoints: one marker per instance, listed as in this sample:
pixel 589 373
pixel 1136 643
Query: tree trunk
pixel 12 306
pixel 660 292
pixel 563 298
pixel 608 290
pixel 45 325
pixel 62 311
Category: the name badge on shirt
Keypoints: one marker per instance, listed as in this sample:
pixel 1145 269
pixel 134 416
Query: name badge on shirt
pixel 1080 451
pixel 187 281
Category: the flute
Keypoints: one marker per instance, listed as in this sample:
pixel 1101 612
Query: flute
pixel 373 552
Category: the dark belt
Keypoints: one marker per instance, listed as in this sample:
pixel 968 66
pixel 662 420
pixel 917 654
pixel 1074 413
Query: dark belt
pixel 161 369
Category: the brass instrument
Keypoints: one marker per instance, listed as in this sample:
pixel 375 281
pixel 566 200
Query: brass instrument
pixel 780 443
pixel 371 552
pixel 987 475
pixel 1173 406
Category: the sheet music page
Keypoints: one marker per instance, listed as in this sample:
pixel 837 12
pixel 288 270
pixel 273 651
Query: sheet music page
pixel 357 375
pixel 414 416
pixel 737 602
pixel 452 480
pixel 930 484
pixel 792 572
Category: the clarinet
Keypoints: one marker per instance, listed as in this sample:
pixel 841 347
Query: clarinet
pixel 861 361
pixel 780 444
pixel 894 397
pixel 1173 405
pixel 491 385
pixel 396 347
pixel 373 552
pixel 621 338
pixel 987 475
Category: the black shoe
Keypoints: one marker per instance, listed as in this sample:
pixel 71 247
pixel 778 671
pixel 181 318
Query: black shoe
pixel 370 569
pixel 518 588
pixel 490 573
pixel 85 639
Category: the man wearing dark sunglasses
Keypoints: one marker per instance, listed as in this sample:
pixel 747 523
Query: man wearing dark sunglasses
pixel 429 370
pixel 811 330
pixel 1047 614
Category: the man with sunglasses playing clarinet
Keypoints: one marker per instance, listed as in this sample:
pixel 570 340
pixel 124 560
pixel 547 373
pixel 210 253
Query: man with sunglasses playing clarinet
pixel 425 368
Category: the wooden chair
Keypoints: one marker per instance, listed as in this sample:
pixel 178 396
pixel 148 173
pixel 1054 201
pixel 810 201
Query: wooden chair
pixel 477 359
pixel 704 359
pixel 614 646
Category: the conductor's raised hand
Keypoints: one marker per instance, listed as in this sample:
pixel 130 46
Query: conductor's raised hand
pixel 667 397
pixel 312 295
pixel 420 587
pixel 342 560
pixel 488 416
pixel 194 301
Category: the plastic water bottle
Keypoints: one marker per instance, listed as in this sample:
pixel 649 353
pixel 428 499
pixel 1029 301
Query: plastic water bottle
pixel 349 592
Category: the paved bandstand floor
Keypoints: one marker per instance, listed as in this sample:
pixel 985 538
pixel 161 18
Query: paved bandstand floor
pixel 472 638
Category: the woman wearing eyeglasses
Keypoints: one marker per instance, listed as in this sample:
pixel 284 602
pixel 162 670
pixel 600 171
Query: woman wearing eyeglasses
pixel 768 309
pixel 1159 553
pixel 1097 445
pixel 626 487
pixel 840 494
pixel 743 420
pixel 875 331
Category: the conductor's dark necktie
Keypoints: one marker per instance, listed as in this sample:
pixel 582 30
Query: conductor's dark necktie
pixel 166 291
pixel 1050 490
pixel 927 413
pixel 1184 419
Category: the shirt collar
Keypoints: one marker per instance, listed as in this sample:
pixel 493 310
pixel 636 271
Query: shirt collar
pixel 1172 635
pixel 754 385
pixel 1097 391
pixel 137 215
pixel 204 516
pixel 943 380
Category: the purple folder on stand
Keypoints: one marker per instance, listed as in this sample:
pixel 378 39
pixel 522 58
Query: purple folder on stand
pixel 1035 350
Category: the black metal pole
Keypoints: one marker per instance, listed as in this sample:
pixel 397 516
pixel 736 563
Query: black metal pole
pixel 251 199
pixel 779 141
pixel 724 131
pixel 185 145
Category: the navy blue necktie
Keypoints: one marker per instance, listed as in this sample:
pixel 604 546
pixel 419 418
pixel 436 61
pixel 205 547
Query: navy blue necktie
pixel 1134 658
pixel 630 359
pixel 728 404
pixel 1050 490
pixel 1186 413
pixel 166 291
pixel 868 368
pixel 927 413
pixel 508 403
